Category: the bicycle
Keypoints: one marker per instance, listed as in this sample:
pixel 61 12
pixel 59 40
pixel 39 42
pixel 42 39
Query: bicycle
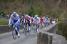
pixel 14 32
pixel 26 29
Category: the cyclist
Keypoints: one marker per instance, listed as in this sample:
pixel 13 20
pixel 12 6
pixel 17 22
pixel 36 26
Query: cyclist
pixel 28 23
pixel 14 22
pixel 46 21
pixel 36 21
pixel 23 21
pixel 42 21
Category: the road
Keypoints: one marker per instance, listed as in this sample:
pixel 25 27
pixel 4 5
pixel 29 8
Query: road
pixel 31 38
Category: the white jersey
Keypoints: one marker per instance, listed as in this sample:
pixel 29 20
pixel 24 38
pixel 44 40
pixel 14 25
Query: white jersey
pixel 36 20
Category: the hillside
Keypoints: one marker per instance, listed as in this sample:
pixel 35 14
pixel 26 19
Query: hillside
pixel 42 7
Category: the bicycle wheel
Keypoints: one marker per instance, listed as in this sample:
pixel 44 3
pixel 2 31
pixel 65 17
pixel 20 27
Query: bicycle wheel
pixel 25 33
pixel 14 34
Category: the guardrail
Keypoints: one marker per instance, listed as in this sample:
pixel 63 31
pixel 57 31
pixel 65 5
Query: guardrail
pixel 4 28
pixel 45 36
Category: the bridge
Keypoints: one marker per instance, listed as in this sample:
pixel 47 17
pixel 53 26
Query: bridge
pixel 45 35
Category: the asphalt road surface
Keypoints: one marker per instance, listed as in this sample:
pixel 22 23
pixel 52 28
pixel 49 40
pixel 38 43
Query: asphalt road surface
pixel 30 38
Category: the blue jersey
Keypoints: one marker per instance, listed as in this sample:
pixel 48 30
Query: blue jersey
pixel 15 19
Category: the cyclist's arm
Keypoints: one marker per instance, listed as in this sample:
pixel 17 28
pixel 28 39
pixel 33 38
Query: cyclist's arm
pixel 10 22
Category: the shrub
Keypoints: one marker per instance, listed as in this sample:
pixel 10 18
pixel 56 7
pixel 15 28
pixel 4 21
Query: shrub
pixel 62 29
pixel 2 13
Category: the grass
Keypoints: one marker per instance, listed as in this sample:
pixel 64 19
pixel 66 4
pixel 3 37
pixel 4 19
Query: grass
pixel 3 21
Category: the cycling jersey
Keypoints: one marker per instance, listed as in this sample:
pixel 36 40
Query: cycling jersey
pixel 14 20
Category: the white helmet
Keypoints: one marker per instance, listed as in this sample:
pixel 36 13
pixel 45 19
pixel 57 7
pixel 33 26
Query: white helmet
pixel 36 15
pixel 14 14
pixel 26 15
